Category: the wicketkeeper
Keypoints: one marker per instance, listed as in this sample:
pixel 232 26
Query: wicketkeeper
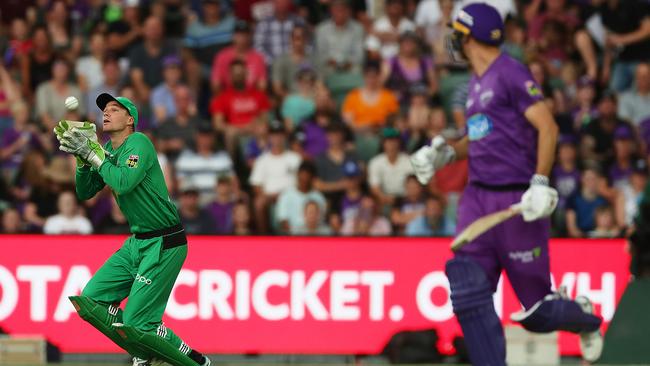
pixel 145 268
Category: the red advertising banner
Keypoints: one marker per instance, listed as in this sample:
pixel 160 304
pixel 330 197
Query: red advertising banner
pixel 285 295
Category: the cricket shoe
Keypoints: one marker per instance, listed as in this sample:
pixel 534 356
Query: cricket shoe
pixel 141 362
pixel 591 343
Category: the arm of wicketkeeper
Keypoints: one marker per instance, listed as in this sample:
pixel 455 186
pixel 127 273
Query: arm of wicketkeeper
pixel 126 175
pixel 87 182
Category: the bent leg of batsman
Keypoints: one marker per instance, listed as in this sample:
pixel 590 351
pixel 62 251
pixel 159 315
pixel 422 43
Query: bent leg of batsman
pixel 154 281
pixel 527 264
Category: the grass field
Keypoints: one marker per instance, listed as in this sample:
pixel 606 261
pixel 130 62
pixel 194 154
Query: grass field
pixel 263 364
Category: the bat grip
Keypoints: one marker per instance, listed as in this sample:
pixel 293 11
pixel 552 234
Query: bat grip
pixel 517 207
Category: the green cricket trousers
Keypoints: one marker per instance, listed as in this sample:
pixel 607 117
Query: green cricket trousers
pixel 144 269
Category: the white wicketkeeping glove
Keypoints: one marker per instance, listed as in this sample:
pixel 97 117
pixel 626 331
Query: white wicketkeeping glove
pixel 78 143
pixel 539 200
pixel 431 158
pixel 87 128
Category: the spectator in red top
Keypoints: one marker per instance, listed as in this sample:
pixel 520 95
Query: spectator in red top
pixel 234 109
pixel 538 12
pixel 241 49
pixel 20 41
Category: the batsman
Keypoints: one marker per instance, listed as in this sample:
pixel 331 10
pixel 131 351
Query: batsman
pixel 510 143
pixel 145 268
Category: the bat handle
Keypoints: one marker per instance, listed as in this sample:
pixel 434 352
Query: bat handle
pixel 517 207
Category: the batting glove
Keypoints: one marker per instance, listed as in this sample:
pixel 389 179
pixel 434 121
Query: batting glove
pixel 78 143
pixel 539 200
pixel 431 158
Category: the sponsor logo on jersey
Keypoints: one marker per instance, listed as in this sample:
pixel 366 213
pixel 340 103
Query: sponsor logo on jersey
pixel 142 279
pixel 486 97
pixel 532 89
pixel 478 126
pixel 526 256
pixel 132 161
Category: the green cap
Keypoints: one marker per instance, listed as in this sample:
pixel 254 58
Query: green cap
pixel 104 98
pixel 390 133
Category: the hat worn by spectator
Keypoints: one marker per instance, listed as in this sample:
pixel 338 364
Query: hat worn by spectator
pixel 567 138
pixel 623 132
pixel 204 127
pixel 104 98
pixel 585 81
pixel 640 167
pixel 390 133
pixel 608 95
pixel 171 61
pixel 187 187
pixel 242 26
pixel 276 126
pixel 335 126
pixel 351 169
pixel 419 89
pixel 409 35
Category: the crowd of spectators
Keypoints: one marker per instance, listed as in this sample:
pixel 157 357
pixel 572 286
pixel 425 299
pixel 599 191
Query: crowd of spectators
pixel 296 117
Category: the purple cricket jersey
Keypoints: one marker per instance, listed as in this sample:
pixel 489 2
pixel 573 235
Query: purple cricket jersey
pixel 619 176
pixel 8 138
pixel 503 143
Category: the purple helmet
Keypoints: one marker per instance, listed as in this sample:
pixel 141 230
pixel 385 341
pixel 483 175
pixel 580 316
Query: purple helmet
pixel 481 21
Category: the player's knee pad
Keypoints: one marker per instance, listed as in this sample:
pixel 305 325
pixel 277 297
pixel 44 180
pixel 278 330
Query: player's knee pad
pixel 471 297
pixel 553 313
pixel 92 311
pixel 470 289
pixel 102 317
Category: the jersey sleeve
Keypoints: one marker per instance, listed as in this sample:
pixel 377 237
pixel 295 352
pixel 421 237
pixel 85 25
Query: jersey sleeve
pixel 88 183
pixel 132 165
pixel 524 90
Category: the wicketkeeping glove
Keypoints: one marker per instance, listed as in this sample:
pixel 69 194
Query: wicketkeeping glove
pixel 78 143
pixel 539 200
pixel 88 129
pixel 431 158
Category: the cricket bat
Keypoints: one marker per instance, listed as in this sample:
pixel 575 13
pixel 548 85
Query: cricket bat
pixel 484 224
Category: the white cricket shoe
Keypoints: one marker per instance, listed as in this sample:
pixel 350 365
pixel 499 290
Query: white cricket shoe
pixel 140 362
pixel 591 343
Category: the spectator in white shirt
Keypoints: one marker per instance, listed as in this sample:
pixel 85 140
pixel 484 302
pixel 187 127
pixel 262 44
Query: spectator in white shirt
pixel 290 210
pixel 89 68
pixel 634 105
pixel 387 171
pixel 273 172
pixel 203 166
pixel 68 220
pixel 386 30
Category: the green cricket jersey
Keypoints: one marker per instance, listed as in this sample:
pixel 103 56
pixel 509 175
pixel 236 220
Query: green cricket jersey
pixel 134 175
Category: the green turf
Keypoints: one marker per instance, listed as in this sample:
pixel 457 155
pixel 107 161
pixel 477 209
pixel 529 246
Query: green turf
pixel 250 364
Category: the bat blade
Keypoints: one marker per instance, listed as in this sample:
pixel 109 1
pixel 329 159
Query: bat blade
pixel 485 223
